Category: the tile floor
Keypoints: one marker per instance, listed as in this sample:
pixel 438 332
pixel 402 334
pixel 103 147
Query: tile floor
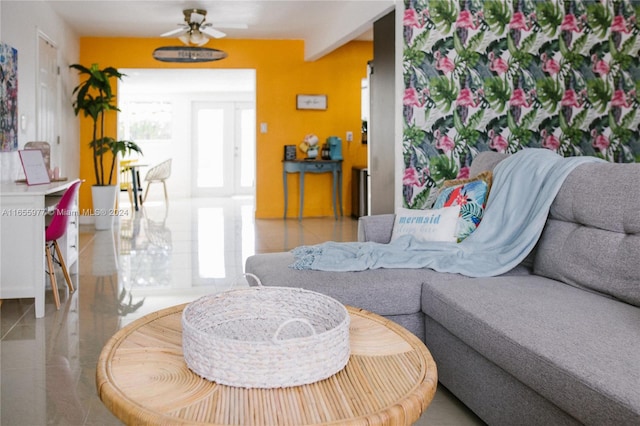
pixel 160 257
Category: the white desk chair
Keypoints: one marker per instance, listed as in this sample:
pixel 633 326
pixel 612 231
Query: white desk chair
pixel 158 173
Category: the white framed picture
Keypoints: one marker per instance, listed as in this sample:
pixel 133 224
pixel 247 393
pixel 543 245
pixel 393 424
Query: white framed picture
pixel 317 102
pixel 33 165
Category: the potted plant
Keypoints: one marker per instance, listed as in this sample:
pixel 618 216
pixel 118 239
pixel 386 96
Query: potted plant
pixel 94 98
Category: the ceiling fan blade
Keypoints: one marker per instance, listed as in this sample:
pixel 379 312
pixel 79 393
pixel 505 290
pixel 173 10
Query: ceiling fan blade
pixel 177 31
pixel 212 32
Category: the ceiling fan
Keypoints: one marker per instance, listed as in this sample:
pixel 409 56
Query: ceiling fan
pixel 195 31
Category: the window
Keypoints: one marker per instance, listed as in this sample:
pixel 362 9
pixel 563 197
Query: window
pixel 146 121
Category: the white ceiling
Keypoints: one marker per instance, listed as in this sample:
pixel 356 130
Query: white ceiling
pixel 323 24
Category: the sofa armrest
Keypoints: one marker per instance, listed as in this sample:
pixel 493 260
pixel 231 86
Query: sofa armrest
pixel 376 228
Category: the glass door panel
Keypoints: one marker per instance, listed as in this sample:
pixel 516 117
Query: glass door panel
pixel 210 146
pixel 224 154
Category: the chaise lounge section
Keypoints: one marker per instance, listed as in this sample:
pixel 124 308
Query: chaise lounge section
pixel 556 340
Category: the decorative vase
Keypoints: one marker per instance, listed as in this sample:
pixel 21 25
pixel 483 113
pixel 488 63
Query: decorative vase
pixel 312 152
pixel 104 201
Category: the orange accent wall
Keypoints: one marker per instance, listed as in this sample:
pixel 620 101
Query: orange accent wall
pixel 281 73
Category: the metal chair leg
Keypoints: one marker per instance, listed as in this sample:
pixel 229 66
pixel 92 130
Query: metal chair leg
pixel 146 192
pixel 166 194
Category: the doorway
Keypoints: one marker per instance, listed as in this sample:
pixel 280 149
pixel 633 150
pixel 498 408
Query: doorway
pixel 203 119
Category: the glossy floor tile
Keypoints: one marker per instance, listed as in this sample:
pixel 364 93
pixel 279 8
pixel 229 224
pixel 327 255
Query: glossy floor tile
pixel 159 257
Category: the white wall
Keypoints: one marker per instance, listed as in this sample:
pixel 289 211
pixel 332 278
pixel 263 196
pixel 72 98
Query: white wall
pixel 20 24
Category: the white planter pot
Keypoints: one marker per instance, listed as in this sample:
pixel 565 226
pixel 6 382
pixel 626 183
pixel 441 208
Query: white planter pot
pixel 104 202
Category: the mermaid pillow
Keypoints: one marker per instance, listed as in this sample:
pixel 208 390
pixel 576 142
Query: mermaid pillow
pixel 427 225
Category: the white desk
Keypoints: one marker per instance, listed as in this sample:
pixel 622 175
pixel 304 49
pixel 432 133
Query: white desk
pixel 22 225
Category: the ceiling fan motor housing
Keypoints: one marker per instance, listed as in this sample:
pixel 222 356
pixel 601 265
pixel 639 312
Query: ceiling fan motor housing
pixel 196 22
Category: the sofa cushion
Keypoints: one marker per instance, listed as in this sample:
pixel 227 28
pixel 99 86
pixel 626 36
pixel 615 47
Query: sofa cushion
pixel 377 228
pixel 592 237
pixel 383 291
pixel 578 349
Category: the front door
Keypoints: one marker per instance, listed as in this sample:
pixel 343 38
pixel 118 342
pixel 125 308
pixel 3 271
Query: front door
pixel 224 148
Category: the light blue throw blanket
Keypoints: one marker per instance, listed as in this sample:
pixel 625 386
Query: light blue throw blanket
pixel 524 186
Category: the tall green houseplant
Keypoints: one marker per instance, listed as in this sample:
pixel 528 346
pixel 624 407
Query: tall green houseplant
pixel 94 98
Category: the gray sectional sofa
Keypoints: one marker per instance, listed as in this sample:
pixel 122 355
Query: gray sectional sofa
pixel 554 341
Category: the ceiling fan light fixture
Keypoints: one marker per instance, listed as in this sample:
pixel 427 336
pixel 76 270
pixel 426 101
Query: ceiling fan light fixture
pixel 198 38
pixel 195 37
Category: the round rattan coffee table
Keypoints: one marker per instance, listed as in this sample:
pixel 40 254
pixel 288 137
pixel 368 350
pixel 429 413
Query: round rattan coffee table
pixel 142 378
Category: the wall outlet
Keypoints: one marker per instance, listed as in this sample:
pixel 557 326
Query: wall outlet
pixel 263 127
pixel 349 136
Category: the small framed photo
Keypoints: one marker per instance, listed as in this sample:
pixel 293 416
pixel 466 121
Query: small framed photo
pixel 289 152
pixel 316 102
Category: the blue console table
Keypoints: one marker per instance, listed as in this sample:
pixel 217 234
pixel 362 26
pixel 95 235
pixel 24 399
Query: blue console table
pixel 313 166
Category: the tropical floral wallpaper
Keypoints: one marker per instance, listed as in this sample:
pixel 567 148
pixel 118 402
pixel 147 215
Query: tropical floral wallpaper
pixel 502 75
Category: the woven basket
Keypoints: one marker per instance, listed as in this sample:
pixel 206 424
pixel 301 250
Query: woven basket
pixel 265 337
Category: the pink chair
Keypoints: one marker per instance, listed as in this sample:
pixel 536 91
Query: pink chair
pixel 56 229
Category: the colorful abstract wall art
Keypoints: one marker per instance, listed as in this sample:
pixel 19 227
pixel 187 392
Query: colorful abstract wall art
pixel 8 98
pixel 504 75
